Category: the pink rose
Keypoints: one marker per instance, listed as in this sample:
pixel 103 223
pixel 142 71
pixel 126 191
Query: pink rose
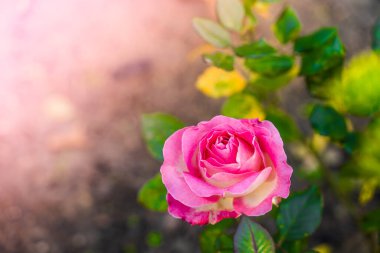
pixel 223 168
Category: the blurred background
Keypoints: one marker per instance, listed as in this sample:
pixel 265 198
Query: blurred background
pixel 75 77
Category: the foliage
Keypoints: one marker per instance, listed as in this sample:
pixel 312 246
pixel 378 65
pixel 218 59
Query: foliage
pixel 358 91
pixel 376 35
pixel 153 194
pixel 220 60
pixel 287 26
pixel 243 106
pixel 156 128
pixel 250 237
pixel 326 121
pixel 249 71
pixel 154 239
pixel 216 238
pixel 285 124
pixel 255 49
pixel 216 82
pixel 300 214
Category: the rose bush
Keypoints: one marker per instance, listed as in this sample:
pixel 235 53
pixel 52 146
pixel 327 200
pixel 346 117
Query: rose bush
pixel 223 168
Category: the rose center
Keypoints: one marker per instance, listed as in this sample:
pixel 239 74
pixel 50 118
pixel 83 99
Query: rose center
pixel 221 142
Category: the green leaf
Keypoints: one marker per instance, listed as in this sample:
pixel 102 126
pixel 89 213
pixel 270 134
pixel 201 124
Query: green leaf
pixel 156 128
pixel 297 246
pixel 250 237
pixel 268 1
pixel 271 65
pixel 216 238
pixel 284 123
pixel 242 106
pixel 154 239
pixel 212 32
pixel 315 40
pixel 153 194
pixel 371 221
pixel 268 84
pixel 300 214
pixel 255 50
pixel 351 142
pixel 324 58
pixel 287 26
pixel 319 85
pixel 326 121
pixel 376 35
pixel 230 13
pixel 221 60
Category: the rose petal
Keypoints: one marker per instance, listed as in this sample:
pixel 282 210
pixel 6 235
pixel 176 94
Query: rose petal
pixel 273 146
pixel 198 216
pixel 241 183
pixel 224 155
pixel 205 146
pixel 212 166
pixel 245 151
pixel 172 151
pixel 271 143
pixel 256 161
pixel 249 184
pixel 193 135
pixel 189 148
pixel 172 173
pixel 259 201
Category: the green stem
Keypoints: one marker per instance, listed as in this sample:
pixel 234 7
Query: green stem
pixel 375 242
pixel 280 241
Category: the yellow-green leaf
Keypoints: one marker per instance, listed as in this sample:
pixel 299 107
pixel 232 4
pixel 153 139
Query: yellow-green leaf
pixel 367 191
pixel 366 162
pixel 243 106
pixel 215 82
pixel 323 248
pixel 358 91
